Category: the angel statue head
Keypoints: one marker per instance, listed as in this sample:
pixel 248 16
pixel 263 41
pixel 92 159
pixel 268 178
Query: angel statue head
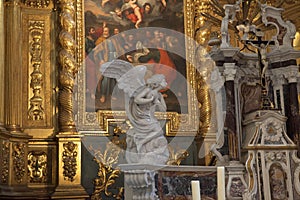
pixel 157 81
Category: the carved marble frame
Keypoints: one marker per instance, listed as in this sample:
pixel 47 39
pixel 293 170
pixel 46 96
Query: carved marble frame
pixel 97 123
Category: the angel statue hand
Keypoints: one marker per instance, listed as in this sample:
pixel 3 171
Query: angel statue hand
pixel 144 97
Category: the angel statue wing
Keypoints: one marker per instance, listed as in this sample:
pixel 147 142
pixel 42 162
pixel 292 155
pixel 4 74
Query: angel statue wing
pixel 129 78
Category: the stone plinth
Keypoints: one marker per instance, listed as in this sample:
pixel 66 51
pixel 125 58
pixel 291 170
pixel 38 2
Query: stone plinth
pixel 148 182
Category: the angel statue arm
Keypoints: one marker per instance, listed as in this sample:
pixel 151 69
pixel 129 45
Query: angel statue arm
pixel 160 103
pixel 149 95
pixel 143 97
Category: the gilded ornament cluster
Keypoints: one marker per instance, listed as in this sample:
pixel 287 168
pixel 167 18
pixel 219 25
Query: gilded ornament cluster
pixel 5 162
pixel 19 161
pixel 37 3
pixel 106 173
pixel 37 167
pixel 69 159
pixel 36 110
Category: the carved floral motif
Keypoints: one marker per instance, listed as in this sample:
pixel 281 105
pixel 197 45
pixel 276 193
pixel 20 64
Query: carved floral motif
pixel 69 158
pixel 273 132
pixel 276 156
pixel 37 167
pixel 106 173
pixel 19 161
pixel 5 162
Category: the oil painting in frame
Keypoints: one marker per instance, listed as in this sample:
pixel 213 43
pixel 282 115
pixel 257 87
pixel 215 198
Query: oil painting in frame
pixel 167 20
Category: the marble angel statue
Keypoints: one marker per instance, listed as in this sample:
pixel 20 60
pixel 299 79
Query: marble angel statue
pixel 146 143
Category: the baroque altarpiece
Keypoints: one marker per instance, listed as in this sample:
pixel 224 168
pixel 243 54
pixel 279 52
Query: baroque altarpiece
pixel 58 141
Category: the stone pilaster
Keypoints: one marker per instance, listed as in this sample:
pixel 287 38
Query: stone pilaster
pixel 230 121
pixel 278 81
pixel 292 104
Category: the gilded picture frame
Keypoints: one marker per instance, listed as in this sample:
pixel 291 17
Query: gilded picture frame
pixel 189 123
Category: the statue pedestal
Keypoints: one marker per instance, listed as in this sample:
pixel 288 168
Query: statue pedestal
pixel 236 185
pixel 140 181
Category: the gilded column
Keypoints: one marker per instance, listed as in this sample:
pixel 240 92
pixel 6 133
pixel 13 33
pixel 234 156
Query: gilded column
pixel 69 141
pixel 2 56
pixel 230 120
pixel 292 105
pixel 68 66
pixel 13 66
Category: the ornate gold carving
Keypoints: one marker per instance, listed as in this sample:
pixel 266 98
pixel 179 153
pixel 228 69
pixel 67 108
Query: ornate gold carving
pixel 69 159
pixel 202 28
pixel 177 124
pixel 37 3
pixel 120 129
pixel 106 174
pixel 37 167
pixel 204 104
pixel 19 166
pixel 175 158
pixel 68 66
pixel 5 162
pixel 36 110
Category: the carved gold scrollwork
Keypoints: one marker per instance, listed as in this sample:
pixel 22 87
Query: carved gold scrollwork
pixel 69 158
pixel 176 157
pixel 118 134
pixel 106 174
pixel 36 110
pixel 68 65
pixel 37 167
pixel 37 3
pixel 5 162
pixel 19 161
